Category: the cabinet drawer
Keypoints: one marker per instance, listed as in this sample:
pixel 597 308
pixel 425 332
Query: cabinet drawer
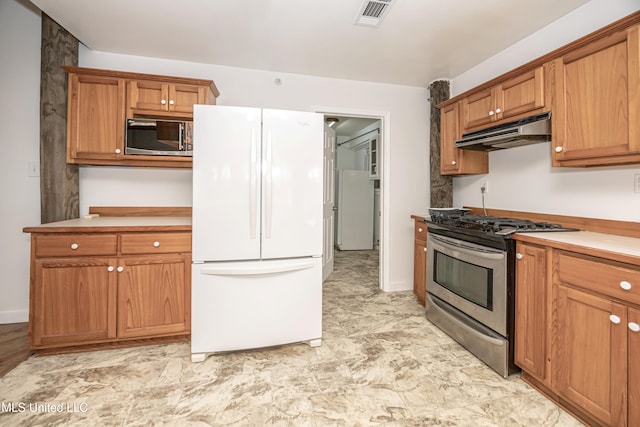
pixel 421 230
pixel 602 277
pixel 154 243
pixel 50 245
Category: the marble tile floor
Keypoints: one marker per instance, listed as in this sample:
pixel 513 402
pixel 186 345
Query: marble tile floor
pixel 381 363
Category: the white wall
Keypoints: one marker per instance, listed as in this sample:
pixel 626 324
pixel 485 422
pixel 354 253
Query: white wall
pixel 20 140
pixel 406 179
pixel 522 178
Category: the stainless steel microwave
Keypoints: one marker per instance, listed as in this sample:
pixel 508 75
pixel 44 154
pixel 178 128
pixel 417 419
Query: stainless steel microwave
pixel 154 137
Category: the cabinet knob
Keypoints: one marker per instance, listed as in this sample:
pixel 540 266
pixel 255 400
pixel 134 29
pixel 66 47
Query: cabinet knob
pixel 171 102
pixel 74 246
pixel 519 255
pixel 156 244
pixel 625 285
pixel 110 268
pixel 498 111
pixel 163 101
pixel 419 230
pixel 453 162
pixel 491 113
pixel 614 319
pixel 425 249
pixel 120 269
pixel 118 151
pixel 558 149
pixel 634 327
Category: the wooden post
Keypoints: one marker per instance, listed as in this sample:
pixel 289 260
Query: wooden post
pixel 59 188
pixel 441 186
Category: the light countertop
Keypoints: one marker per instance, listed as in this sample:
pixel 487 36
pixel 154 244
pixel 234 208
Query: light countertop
pixel 622 248
pixel 115 223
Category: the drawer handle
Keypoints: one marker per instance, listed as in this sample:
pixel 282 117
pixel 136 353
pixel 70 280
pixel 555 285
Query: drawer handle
pixel 110 268
pixel 120 269
pixel 156 244
pixel 625 285
pixel 74 246
pixel 419 230
pixel 614 319
pixel 634 327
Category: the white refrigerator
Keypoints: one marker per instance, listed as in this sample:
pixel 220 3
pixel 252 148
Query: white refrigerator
pixel 257 229
pixel 354 214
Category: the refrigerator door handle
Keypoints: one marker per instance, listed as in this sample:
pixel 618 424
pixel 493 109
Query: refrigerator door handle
pixel 268 186
pixel 243 270
pixel 253 202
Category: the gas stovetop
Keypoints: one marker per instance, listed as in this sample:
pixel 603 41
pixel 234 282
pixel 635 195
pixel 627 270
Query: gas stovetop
pixel 484 228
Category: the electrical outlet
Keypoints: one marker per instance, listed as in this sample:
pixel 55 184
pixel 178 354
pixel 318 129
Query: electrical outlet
pixel 636 183
pixel 484 189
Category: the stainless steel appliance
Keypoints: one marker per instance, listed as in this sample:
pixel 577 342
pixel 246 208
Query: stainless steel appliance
pixel 154 137
pixel 471 282
pixel 529 130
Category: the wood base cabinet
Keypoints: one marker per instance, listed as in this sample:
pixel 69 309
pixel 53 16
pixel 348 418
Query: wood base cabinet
pixel 92 288
pixel 420 261
pixel 578 332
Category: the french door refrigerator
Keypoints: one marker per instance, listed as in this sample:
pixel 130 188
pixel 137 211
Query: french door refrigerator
pixel 257 228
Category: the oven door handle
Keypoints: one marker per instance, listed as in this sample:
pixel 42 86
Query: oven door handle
pixel 469 250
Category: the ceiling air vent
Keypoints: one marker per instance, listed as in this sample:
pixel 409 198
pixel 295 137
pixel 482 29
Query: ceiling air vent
pixel 372 12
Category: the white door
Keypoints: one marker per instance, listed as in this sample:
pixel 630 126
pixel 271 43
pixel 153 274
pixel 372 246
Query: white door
pixel 292 150
pixel 355 210
pixel 226 183
pixel 329 191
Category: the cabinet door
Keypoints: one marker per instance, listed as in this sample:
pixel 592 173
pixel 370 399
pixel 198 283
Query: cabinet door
pixel 449 133
pixel 590 363
pixel 478 109
pixel 531 311
pixel 454 161
pixel 521 94
pixel 183 96
pixel 420 262
pixel 74 301
pixel 154 296
pixel 96 117
pixel 633 317
pixel 148 95
pixel 374 154
pixel 597 105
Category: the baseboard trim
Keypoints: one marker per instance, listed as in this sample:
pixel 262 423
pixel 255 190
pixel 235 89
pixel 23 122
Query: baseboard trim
pixel 14 316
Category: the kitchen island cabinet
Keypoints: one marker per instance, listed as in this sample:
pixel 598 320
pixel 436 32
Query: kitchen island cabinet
pixel 586 362
pixel 109 281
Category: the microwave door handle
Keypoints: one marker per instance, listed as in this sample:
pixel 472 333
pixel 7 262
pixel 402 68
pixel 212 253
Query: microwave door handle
pixel 469 250
pixel 181 142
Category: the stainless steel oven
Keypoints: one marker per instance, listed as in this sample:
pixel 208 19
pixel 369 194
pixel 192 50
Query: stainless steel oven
pixel 471 282
pixel 467 297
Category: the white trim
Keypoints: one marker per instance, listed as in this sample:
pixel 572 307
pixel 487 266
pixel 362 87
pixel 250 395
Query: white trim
pixel 14 316
pixel 385 131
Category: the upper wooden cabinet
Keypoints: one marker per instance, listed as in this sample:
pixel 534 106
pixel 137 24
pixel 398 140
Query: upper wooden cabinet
pixel 100 101
pixel 454 161
pixel 521 95
pixel 152 97
pixel 596 115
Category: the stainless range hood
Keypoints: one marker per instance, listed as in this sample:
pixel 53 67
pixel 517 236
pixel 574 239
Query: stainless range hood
pixel 529 130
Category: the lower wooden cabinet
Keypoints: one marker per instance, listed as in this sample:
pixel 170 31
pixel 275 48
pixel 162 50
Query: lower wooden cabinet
pixel 420 261
pixel 577 334
pixel 531 321
pixel 84 290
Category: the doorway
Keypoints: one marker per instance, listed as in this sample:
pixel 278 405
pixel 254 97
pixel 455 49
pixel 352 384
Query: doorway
pixel 359 159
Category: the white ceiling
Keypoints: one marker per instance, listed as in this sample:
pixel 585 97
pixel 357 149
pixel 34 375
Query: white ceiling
pixel 418 42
